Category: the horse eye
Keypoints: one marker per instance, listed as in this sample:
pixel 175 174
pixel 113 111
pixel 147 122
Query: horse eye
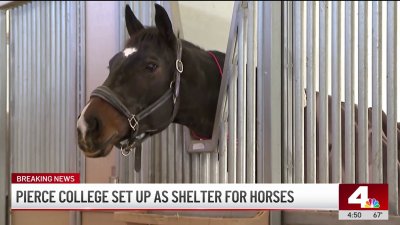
pixel 151 67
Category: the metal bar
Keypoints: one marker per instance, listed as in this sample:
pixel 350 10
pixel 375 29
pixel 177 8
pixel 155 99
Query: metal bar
pixel 349 92
pixel 392 129
pixel 63 85
pixel 157 158
pixel 251 98
pixel 324 43
pixel 272 55
pixel 362 141
pixel 299 71
pixel 288 94
pixel 376 157
pixel 204 167
pixel 33 90
pixel 195 168
pixel 336 90
pixel 241 97
pixel 164 157
pixel 186 160
pixel 178 153
pixel 171 153
pixel 232 127
pixel 27 156
pixel 311 73
pixel 47 83
pixel 260 92
pixel 272 83
pixel 223 148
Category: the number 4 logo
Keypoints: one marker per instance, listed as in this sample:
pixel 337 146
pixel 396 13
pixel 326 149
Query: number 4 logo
pixel 360 196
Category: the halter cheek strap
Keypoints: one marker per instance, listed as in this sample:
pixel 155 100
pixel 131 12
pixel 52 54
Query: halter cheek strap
pixel 134 120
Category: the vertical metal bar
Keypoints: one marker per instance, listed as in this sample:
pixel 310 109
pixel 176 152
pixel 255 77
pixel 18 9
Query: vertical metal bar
pixel 324 43
pixel 178 153
pixel 349 92
pixel 171 153
pixel 223 173
pixel 336 90
pixel 272 109
pixel 63 85
pixel 204 167
pixel 195 168
pixel 311 73
pixel 392 129
pixel 260 92
pixel 241 97
pixel 157 158
pixel 362 141
pixel 232 147
pixel 299 71
pixel 186 160
pixel 214 168
pixel 251 98
pixel 33 90
pixel 27 67
pixel 377 173
pixel 164 157
pixel 272 51
pixel 288 93
pixel 145 161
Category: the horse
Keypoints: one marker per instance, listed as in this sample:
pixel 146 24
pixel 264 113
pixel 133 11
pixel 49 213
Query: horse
pixel 158 79
pixel 143 78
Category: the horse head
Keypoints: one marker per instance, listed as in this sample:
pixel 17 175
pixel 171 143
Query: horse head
pixel 139 76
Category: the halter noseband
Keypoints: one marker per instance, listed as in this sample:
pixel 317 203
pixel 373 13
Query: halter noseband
pixel 109 96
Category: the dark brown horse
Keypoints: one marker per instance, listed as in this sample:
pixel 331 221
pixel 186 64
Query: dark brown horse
pixel 140 75
pixel 143 80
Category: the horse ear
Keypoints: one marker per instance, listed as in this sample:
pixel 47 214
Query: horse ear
pixel 163 23
pixel 133 25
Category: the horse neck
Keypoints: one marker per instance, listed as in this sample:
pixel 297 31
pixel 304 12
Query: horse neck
pixel 200 83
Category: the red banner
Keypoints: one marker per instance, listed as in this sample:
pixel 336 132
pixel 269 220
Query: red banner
pixel 42 178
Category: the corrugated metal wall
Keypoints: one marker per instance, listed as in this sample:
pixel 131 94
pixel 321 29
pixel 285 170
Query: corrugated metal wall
pixel 46 74
pixel 3 117
pixel 353 47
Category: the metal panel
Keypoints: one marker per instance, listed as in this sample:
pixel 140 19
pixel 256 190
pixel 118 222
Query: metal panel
pixel 44 85
pixel 392 107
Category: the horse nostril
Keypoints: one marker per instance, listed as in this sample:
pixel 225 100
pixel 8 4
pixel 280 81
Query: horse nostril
pixel 93 124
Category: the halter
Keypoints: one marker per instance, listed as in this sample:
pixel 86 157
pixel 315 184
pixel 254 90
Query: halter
pixel 134 140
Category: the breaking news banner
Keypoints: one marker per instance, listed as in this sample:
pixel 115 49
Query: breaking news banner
pixel 64 192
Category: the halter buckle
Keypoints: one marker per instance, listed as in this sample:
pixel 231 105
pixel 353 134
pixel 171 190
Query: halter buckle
pixel 125 150
pixel 179 65
pixel 135 120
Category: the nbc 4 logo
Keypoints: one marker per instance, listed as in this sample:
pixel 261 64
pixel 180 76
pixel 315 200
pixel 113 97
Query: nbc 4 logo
pixel 360 196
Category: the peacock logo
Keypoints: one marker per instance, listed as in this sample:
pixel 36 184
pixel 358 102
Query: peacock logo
pixel 371 203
